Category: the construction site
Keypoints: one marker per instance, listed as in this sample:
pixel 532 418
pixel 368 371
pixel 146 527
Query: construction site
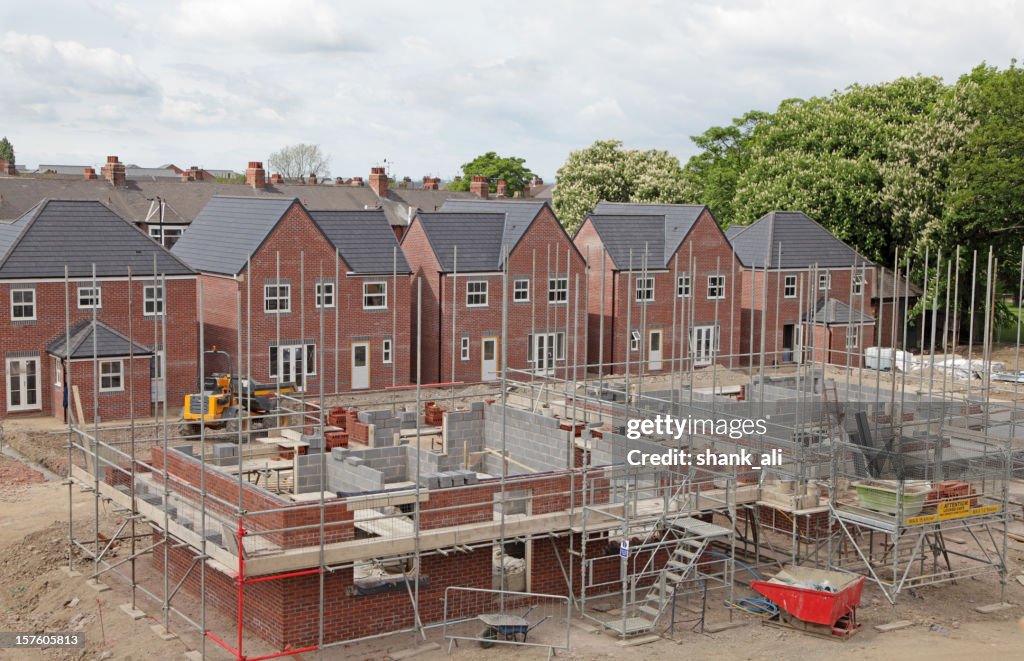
pixel 513 514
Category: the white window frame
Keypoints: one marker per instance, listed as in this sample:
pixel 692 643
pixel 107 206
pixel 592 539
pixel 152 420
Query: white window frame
pixel 644 290
pixel 858 284
pixel 716 282
pixel 385 351
pixel 96 297
pixel 683 288
pixel 824 281
pixel 7 384
pixel 153 295
pixel 521 294
pixel 369 296
pixel 23 304
pixel 326 297
pixel 277 297
pixel 169 231
pixel 852 337
pixel 634 340
pixel 119 374
pixel 789 282
pixel 465 347
pixel 558 291
pixel 476 295
pixel 308 366
pixel 559 345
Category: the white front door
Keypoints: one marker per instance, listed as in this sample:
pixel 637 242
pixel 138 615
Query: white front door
pixel 544 353
pixel 23 384
pixel 290 365
pixel 360 365
pixel 654 350
pixel 489 359
pixel 158 380
pixel 798 344
pixel 702 344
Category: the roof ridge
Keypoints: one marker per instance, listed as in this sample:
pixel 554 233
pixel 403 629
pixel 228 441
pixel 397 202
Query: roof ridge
pixel 34 213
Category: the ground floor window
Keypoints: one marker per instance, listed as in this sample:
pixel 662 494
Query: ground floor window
pixel 23 384
pixel 111 375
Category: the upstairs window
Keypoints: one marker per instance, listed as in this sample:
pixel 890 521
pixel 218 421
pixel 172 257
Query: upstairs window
pixel 521 291
pixel 375 295
pixel 277 298
pixel 325 295
pixel 644 290
pixel 152 300
pixel 90 298
pixel 683 286
pixel 476 294
pixel 824 281
pixel 23 304
pixel 716 287
pixel 558 290
pixel 858 284
pixel 789 287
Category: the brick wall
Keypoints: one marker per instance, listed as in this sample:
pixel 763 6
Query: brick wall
pixel 544 249
pixel 305 257
pixel 18 337
pixel 711 254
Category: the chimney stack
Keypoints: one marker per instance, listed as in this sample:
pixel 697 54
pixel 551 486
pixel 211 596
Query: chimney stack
pixel 338 181
pixel 255 175
pixel 186 176
pixel 431 183
pixel 276 178
pixel 379 182
pixel 501 189
pixel 357 181
pixel 90 174
pixel 8 168
pixel 312 179
pixel 114 172
pixel 479 186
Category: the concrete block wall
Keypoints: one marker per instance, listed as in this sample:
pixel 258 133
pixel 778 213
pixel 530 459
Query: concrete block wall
pixel 532 439
pixel 308 478
pixel 366 470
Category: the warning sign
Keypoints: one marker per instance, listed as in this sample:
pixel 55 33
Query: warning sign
pixel 957 509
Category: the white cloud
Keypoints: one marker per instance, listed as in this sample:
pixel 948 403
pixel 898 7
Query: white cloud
pixel 431 85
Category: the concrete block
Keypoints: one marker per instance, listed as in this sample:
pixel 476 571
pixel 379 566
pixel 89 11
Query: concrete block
pixel 355 461
pixel 184 449
pixel 893 626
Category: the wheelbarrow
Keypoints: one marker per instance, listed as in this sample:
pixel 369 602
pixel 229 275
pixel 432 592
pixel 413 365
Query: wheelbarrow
pixel 511 628
pixel 815 601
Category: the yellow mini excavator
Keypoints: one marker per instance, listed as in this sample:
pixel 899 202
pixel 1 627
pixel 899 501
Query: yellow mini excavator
pixel 224 396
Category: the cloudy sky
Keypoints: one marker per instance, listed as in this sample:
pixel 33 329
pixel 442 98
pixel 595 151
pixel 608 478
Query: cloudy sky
pixel 429 85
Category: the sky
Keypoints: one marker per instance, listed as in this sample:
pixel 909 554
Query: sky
pixel 423 87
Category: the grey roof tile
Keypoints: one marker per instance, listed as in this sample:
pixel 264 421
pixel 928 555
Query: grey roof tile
pixel 832 311
pixel 804 243
pixel 109 342
pixel 679 220
pixel 364 239
pixel 228 231
pixel 519 214
pixel 627 236
pixel 478 237
pixel 79 234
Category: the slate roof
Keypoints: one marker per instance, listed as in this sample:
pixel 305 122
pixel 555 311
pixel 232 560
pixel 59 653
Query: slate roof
pixel 477 235
pixel 832 311
pixel 679 219
pixel 733 230
pixel 364 239
pixel 427 200
pixel 626 236
pixel 884 290
pixel 228 231
pixel 79 233
pixel 804 243
pixel 519 214
pixel 109 342
pixel 184 199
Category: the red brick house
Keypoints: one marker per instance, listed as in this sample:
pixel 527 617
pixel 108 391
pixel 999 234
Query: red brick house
pixel 792 265
pixel 113 358
pixel 291 269
pixel 668 276
pixel 459 252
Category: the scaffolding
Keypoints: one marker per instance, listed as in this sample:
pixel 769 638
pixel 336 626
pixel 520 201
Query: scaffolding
pixel 636 538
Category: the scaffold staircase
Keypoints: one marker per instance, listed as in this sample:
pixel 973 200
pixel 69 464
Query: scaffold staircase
pixel 692 539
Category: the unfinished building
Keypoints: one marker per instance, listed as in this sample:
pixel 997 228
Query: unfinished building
pixel 336 522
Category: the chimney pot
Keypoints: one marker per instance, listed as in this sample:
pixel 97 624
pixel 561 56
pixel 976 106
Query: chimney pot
pixel 478 186
pixel 501 189
pixel 379 181
pixel 312 178
pixel 255 175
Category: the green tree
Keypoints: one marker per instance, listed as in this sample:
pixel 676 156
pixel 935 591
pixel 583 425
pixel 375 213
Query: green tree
pixel 6 150
pixel 494 168
pixel 607 171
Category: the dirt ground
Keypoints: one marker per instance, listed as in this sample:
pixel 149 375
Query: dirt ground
pixel 36 593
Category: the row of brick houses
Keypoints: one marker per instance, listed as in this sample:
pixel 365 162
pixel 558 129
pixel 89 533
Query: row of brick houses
pixel 331 300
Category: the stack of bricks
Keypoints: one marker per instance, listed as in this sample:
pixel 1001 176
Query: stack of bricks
pixel 433 415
